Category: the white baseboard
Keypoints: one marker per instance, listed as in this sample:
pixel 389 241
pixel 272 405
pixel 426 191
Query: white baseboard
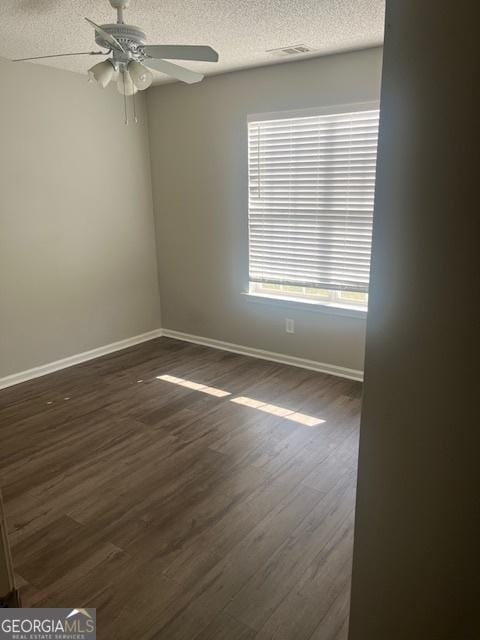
pixel 313 365
pixel 322 367
pixel 44 369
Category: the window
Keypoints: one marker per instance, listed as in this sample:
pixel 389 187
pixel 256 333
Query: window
pixel 311 192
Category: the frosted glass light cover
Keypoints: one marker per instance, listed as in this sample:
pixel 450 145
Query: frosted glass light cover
pixel 125 84
pixel 141 76
pixel 102 73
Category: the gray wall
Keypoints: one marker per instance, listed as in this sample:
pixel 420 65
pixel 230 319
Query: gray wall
pixel 77 247
pixel 199 170
pixel 416 556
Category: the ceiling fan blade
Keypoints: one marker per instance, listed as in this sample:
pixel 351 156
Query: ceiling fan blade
pixel 112 41
pixel 173 70
pixel 61 55
pixel 182 52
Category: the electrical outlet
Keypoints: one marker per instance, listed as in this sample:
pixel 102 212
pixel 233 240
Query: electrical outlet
pixel 289 325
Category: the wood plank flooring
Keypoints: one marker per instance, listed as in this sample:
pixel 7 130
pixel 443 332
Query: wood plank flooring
pixel 186 493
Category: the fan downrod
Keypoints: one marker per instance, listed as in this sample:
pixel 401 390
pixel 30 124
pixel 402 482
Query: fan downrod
pixel 120 5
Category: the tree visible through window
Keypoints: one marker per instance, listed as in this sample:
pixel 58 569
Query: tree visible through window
pixel 311 193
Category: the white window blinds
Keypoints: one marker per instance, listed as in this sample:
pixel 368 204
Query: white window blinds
pixel 311 191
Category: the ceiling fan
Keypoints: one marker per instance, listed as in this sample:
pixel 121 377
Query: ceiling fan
pixel 130 56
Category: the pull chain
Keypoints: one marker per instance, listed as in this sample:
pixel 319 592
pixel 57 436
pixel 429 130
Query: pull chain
pixel 134 109
pixel 124 99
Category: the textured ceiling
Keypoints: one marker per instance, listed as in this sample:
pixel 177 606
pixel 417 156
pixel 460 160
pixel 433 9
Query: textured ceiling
pixel 241 30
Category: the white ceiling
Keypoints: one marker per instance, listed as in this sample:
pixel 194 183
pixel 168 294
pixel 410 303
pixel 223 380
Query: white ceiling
pixel 241 30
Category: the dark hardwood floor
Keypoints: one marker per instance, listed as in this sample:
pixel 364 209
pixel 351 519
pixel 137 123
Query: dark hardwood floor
pixel 186 493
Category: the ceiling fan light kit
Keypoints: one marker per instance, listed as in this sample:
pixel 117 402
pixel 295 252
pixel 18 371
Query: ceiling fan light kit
pixel 130 57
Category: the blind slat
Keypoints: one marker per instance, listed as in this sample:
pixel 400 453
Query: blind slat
pixel 311 196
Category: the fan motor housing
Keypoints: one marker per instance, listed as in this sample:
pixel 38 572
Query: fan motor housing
pixel 132 38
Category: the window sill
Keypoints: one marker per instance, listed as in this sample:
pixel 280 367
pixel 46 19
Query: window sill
pixel 307 305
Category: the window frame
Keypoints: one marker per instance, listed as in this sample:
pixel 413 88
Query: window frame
pixel 353 310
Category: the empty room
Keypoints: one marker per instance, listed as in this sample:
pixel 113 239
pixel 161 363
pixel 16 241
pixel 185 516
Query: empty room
pixel 236 396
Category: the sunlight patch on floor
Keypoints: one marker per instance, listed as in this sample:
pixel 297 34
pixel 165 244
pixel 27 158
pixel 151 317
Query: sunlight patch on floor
pixel 275 410
pixel 195 386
